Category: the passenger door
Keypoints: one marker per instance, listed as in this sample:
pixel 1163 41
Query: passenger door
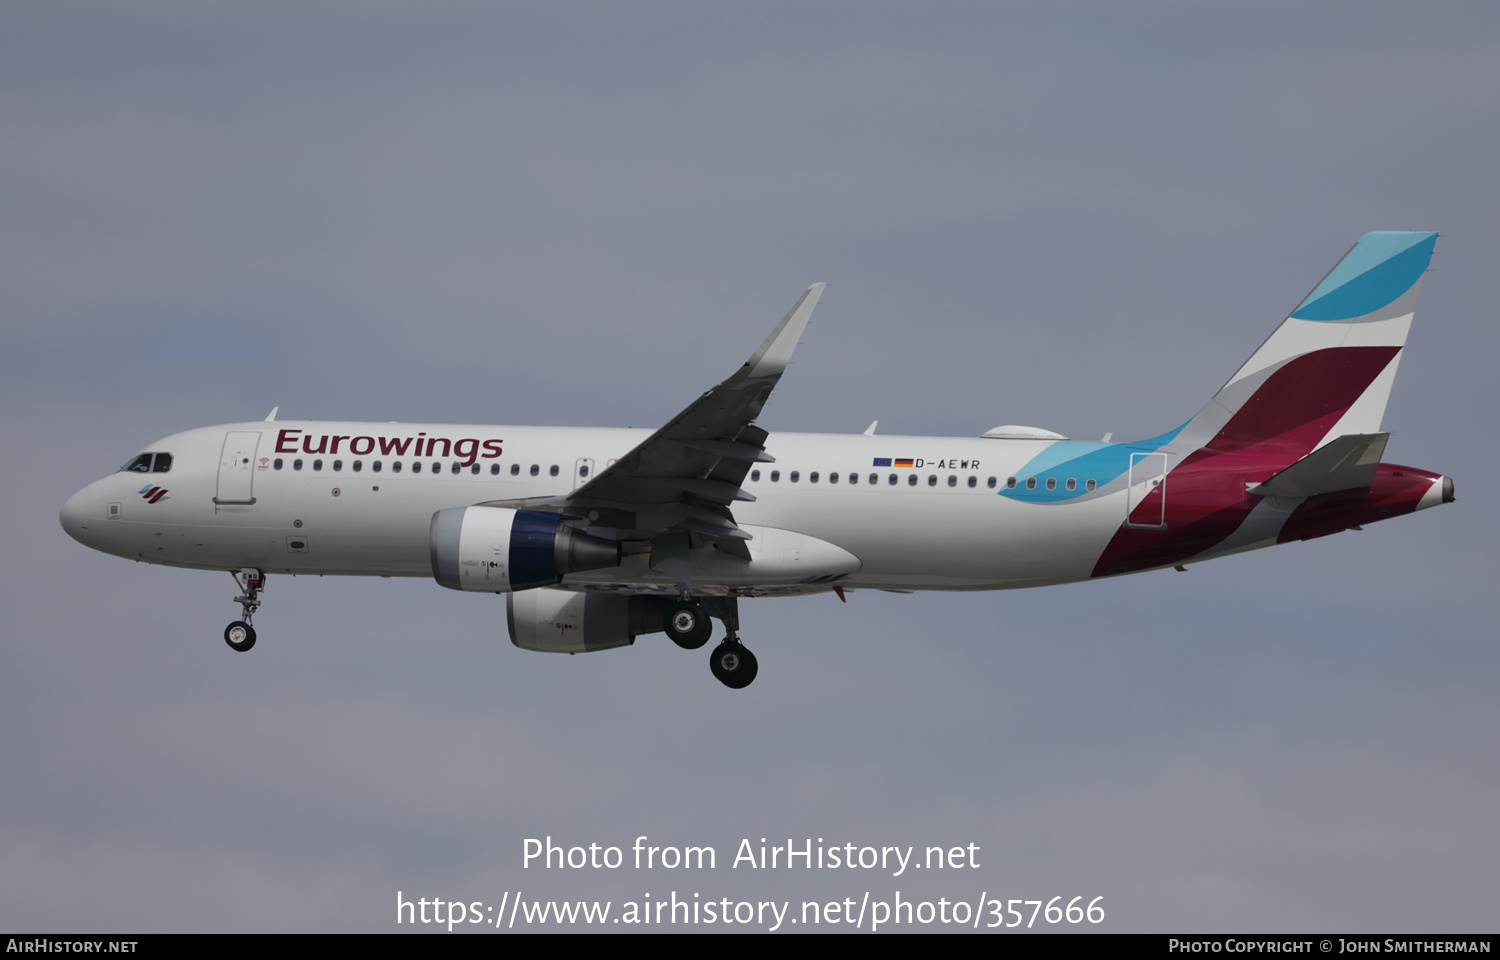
pixel 237 467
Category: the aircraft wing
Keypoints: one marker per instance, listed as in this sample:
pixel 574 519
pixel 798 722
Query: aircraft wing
pixel 682 481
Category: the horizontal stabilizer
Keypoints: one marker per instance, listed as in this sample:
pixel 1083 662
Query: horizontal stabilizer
pixel 1347 463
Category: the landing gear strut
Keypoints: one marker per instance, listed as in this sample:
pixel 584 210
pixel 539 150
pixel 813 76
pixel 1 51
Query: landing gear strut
pixel 240 635
pixel 731 662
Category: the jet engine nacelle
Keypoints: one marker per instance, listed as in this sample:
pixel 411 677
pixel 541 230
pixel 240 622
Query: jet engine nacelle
pixel 498 550
pixel 565 621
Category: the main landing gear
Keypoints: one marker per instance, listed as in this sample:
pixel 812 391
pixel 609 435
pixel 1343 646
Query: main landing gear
pixel 733 664
pixel 240 635
pixel 688 623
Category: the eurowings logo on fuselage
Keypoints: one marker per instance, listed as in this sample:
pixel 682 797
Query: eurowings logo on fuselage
pixel 421 445
pixel 152 494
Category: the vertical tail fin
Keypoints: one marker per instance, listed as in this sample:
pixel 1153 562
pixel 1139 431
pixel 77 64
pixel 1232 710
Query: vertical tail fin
pixel 1327 370
pixel 1325 373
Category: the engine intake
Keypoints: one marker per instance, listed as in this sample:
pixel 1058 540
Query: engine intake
pixel 499 550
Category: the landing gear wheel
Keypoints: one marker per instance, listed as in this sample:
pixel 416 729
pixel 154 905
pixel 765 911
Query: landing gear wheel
pixel 733 665
pixel 687 624
pixel 240 636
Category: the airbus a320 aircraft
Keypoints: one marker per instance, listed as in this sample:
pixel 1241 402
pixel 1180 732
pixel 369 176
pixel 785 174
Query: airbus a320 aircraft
pixel 599 535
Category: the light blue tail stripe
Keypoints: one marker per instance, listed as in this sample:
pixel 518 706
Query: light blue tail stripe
pixel 1380 268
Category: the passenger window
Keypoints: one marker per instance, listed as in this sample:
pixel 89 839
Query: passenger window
pixel 1051 483
pixel 952 480
pixel 1089 485
pixel 456 467
pixel 754 474
pixel 932 479
pixel 277 464
pixel 375 466
pixel 357 466
pixel 990 483
pixel 535 470
pixel 317 464
pixel 854 478
pixel 1072 484
pixel 163 463
pixel 775 475
pixel 338 464
pixel 437 466
pixel 296 464
pixel 141 464
pixel 395 466
pixel 911 481
pixel 833 478
pixel 812 477
pixel 974 482
pixel 1031 483
pixel 553 471
pixel 474 468
pixel 494 469
pixel 515 469
pixel 794 476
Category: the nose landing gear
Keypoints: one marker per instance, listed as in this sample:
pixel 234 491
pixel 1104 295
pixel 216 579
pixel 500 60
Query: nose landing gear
pixel 240 635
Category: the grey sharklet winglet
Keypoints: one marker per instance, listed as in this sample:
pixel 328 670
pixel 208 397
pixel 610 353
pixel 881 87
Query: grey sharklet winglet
pixel 776 352
pixel 699 460
pixel 1347 463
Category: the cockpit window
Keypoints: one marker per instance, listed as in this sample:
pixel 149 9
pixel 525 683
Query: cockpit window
pixel 143 463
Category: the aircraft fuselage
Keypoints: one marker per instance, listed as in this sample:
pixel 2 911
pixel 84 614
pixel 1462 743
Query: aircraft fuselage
pixel 919 513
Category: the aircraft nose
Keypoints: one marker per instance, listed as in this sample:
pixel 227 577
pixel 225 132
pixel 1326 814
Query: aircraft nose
pixel 75 515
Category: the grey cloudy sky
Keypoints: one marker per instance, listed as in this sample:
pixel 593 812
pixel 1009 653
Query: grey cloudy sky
pixel 1082 216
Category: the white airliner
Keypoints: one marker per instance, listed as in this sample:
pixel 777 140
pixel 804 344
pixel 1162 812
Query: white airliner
pixel 598 535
